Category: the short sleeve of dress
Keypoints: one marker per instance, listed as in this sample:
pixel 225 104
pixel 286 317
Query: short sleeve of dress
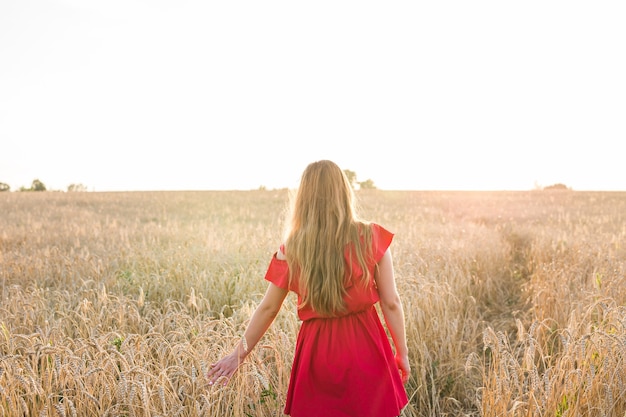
pixel 278 273
pixel 381 240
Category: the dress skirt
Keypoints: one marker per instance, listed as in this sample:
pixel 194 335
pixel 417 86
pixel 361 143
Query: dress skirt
pixel 344 367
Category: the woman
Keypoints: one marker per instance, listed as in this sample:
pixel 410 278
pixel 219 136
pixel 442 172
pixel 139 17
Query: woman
pixel 340 267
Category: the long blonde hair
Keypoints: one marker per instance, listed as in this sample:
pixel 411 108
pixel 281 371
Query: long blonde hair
pixel 323 221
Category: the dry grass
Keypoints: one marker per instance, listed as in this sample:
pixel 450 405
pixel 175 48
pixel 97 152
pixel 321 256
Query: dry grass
pixel 115 303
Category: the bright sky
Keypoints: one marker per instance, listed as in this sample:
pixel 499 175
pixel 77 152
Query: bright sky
pixel 186 94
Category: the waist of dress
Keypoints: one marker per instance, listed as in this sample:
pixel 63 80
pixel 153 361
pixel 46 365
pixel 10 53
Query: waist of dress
pixel 366 310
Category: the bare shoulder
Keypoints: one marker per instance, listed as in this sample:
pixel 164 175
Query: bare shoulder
pixel 280 255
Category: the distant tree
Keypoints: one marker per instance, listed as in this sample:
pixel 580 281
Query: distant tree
pixel 4 187
pixel 37 186
pixel 351 175
pixel 368 184
pixel 76 188
pixel 558 186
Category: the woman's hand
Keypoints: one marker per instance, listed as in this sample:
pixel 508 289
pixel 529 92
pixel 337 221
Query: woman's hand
pixel 405 368
pixel 224 368
pixel 260 321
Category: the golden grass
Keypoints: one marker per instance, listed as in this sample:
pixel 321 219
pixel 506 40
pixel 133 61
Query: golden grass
pixel 115 303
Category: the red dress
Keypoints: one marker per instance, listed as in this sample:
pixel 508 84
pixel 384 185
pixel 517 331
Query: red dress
pixel 344 366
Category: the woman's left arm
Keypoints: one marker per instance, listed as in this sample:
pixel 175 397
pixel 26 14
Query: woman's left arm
pixel 393 312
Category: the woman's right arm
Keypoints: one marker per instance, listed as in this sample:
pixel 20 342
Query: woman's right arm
pixel 260 321
pixel 393 312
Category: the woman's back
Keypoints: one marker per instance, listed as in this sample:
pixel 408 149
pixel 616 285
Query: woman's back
pixel 343 365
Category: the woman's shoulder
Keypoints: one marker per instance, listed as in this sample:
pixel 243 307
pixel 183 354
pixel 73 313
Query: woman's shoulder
pixel 280 254
pixel 374 228
pixel 381 239
pixel 379 229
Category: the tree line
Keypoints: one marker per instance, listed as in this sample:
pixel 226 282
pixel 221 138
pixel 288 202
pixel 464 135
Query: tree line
pixel 37 185
pixel 368 184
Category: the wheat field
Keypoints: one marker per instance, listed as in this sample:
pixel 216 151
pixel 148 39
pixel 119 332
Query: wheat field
pixel 114 304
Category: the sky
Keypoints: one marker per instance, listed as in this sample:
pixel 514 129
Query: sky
pixel 124 95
